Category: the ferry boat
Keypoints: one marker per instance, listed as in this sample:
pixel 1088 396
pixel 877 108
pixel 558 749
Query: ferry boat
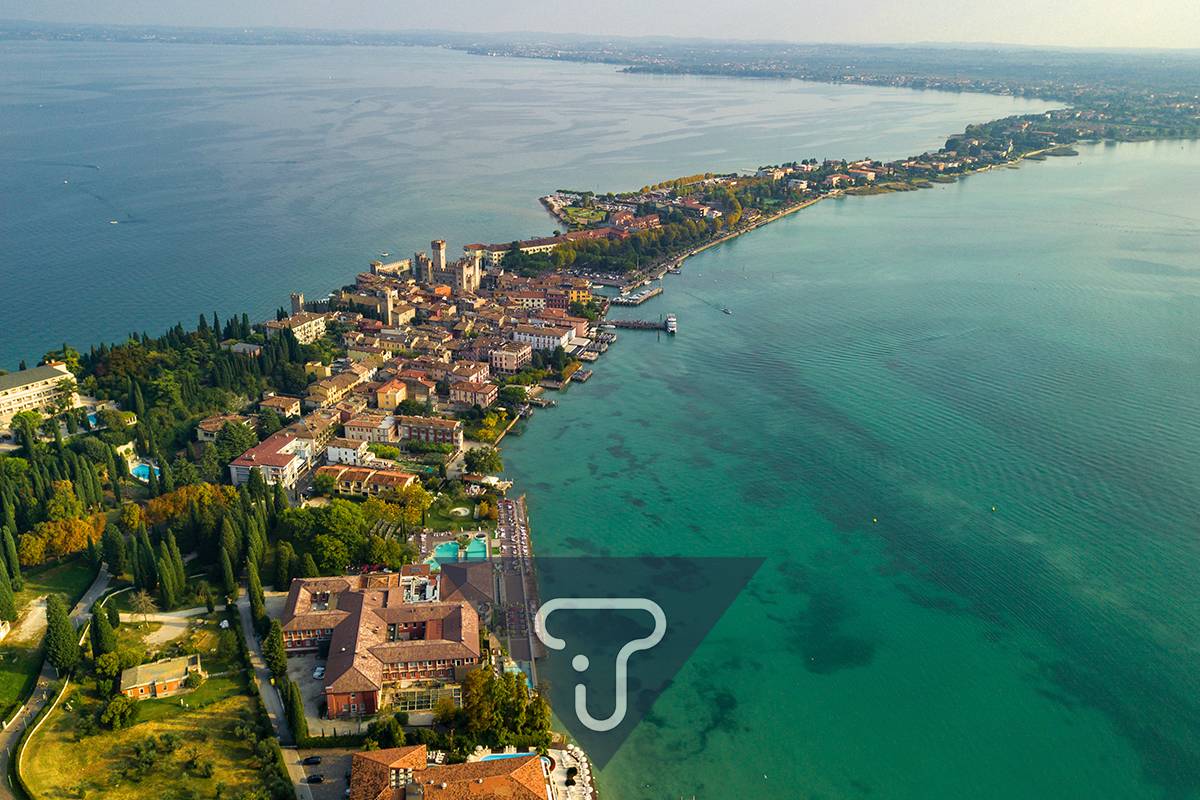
pixel 671 326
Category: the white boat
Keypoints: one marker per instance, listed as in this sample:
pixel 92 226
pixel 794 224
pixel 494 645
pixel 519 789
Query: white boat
pixel 671 324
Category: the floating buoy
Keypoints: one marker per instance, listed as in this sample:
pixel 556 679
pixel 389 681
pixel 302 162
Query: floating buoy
pixel 874 520
pixel 993 509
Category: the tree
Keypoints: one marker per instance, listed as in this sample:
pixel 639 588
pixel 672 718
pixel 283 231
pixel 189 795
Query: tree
pixel 269 422
pixel 114 615
pixel 112 543
pixel 104 639
pixel 232 440
pixel 285 558
pixel 323 484
pixel 62 642
pixel 229 580
pixel 11 555
pixel 142 603
pixel 308 567
pixel 254 590
pixel 8 604
pixel 117 713
pixel 485 460
pixel 273 653
pixel 332 554
pixel 130 518
pixel 63 503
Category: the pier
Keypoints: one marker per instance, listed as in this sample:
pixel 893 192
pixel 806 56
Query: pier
pixel 637 298
pixel 638 324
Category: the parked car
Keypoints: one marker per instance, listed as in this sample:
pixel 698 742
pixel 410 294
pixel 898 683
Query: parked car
pixel 311 760
pixel 315 779
pixel 318 673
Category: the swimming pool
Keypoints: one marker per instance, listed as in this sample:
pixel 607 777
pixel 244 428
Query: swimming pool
pixel 477 550
pixel 142 472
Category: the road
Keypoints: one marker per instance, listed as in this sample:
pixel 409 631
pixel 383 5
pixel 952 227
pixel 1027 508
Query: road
pixel 41 692
pixel 270 697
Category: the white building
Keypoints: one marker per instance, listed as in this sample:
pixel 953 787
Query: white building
pixel 281 457
pixel 542 338
pixel 33 389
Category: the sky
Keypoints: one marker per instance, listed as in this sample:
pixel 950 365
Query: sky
pixel 1070 23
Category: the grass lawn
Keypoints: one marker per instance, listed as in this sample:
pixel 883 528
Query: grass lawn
pixel 62 762
pixel 69 579
pixel 19 666
pixel 65 760
pixel 21 660
pixel 582 216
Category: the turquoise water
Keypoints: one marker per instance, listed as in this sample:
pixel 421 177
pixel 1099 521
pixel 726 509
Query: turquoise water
pixel 1025 339
pixel 239 174
pixel 448 551
pixel 142 472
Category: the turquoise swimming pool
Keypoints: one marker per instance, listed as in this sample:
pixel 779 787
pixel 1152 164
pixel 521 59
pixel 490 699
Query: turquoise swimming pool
pixel 142 472
pixel 448 551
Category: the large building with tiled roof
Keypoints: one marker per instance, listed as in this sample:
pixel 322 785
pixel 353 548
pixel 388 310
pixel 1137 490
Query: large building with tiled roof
pixel 387 637
pixel 402 773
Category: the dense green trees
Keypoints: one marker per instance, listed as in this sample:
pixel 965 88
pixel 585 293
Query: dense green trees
pixel 104 638
pixel 485 460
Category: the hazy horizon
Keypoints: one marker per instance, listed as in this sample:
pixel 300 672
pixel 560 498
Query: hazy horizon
pixel 1172 24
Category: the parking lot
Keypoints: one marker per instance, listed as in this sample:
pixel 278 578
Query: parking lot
pixel 334 768
pixel 300 671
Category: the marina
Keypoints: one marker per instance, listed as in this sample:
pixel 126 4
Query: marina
pixel 637 298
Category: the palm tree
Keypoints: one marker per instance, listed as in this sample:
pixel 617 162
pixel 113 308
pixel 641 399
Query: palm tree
pixel 143 604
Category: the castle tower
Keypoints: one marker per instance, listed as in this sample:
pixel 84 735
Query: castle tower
pixel 439 254
pixel 297 302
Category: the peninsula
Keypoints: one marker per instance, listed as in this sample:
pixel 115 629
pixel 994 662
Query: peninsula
pixel 346 450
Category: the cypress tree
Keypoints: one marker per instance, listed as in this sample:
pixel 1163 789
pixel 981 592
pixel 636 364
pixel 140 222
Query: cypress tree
pixel 229 580
pixel 272 650
pixel 258 605
pixel 166 584
pixel 284 558
pixel 104 640
pixel 10 555
pixel 308 567
pixel 114 615
pixel 113 545
pixel 62 642
pixel 8 604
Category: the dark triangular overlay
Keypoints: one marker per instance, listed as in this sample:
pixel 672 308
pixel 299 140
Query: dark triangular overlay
pixel 656 609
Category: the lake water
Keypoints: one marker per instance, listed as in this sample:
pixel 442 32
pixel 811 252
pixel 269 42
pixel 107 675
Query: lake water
pixel 239 174
pixel 1025 340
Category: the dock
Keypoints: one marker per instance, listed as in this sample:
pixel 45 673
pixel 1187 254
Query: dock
pixel 637 298
pixel 639 324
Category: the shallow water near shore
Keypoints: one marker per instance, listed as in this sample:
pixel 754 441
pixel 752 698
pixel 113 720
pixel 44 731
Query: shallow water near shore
pixel 893 369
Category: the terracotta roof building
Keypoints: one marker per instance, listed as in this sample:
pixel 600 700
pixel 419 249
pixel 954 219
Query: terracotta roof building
pixel 380 642
pixel 402 773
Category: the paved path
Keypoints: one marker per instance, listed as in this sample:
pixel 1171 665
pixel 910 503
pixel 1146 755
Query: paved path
pixel 174 623
pixel 270 697
pixel 41 692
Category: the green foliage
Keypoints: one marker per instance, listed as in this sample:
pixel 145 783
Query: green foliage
pixel 104 638
pixel 274 653
pixel 485 460
pixel 8 607
pixel 62 645
pixel 118 712
pixel 112 544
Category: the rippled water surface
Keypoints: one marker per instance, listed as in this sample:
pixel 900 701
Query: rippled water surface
pixel 1027 340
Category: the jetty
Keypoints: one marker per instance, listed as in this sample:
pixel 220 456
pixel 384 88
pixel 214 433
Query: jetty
pixel 637 298
pixel 639 324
